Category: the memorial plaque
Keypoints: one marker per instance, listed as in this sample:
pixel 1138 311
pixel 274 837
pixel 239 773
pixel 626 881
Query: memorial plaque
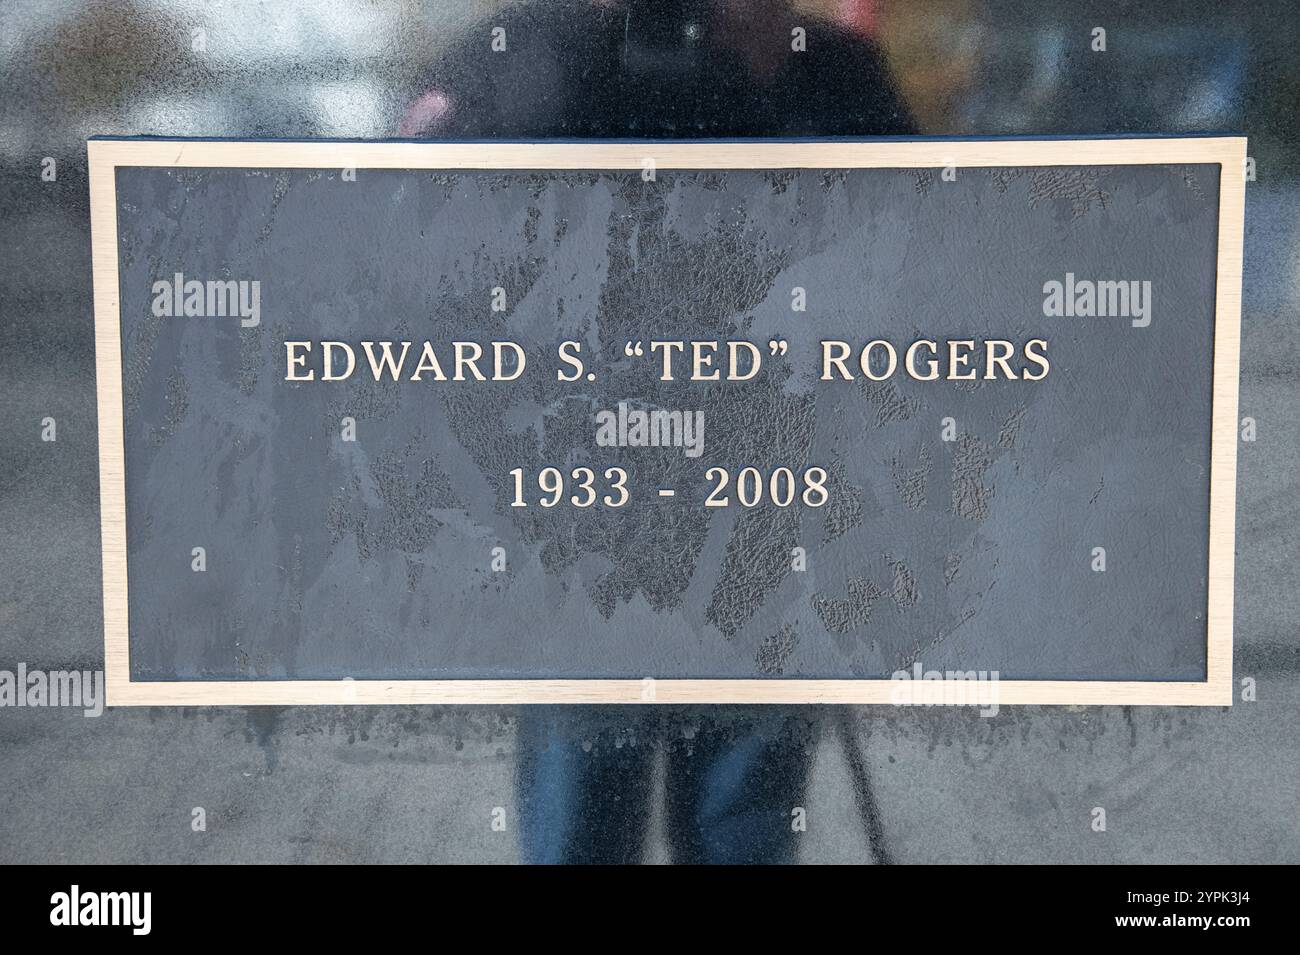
pixel 668 422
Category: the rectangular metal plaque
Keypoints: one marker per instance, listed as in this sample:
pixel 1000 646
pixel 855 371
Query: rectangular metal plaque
pixel 668 422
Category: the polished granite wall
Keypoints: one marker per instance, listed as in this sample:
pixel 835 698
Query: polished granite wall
pixel 878 784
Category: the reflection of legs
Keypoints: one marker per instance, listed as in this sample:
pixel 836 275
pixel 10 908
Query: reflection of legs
pixel 583 777
pixel 729 798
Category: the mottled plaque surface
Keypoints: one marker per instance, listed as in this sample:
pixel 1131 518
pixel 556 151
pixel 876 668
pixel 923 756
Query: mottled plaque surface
pixel 372 530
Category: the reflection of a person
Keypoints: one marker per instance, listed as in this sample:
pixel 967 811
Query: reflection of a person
pixel 661 69
pixel 683 69
pixel 732 786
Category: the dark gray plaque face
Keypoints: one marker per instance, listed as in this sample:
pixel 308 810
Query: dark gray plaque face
pixel 328 557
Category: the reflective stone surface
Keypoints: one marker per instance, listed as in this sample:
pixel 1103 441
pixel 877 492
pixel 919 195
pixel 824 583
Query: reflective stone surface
pixel 717 784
